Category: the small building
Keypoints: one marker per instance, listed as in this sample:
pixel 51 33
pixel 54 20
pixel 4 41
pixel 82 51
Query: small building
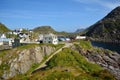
pixel 80 37
pixel 23 35
pixel 17 31
pixel 5 41
pixel 41 37
pixel 67 39
pixel 50 38
pixel 3 36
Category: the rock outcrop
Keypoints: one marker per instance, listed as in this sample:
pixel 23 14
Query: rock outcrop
pixel 107 59
pixel 19 61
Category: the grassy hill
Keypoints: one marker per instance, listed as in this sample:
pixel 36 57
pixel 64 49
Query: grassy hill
pixel 68 65
pixel 44 29
pixel 49 29
pixel 3 28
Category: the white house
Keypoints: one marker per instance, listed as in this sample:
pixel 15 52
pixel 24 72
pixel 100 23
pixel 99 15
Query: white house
pixel 5 41
pixel 41 36
pixel 3 36
pixel 50 38
pixel 68 39
pixel 23 35
pixel 17 31
pixel 80 37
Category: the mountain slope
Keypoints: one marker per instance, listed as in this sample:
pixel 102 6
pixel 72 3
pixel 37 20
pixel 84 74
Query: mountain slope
pixel 107 29
pixel 44 29
pixel 3 28
pixel 79 30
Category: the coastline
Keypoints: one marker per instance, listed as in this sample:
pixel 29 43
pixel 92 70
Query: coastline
pixel 104 40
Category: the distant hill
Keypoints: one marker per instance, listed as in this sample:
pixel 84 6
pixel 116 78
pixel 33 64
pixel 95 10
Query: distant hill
pixel 49 29
pixel 107 29
pixel 79 30
pixel 44 29
pixel 3 28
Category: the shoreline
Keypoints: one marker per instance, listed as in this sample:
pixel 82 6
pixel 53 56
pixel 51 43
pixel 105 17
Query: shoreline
pixel 104 40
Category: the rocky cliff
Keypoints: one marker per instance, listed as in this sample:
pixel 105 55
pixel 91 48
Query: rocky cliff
pixel 106 29
pixel 19 60
pixel 105 58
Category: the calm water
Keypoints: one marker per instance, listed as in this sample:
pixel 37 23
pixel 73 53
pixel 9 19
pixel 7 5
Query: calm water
pixel 110 46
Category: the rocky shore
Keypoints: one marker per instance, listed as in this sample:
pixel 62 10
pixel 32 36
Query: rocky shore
pixel 104 40
pixel 105 58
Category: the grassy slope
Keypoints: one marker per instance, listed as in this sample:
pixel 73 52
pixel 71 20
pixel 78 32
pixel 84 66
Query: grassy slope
pixel 3 28
pixel 7 55
pixel 69 65
pixel 44 29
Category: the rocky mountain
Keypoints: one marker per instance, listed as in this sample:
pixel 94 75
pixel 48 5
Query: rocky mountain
pixel 108 28
pixel 44 29
pixel 3 28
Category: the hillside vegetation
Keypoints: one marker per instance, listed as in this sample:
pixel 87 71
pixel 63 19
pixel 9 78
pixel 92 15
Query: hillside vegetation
pixel 108 28
pixel 69 65
pixel 103 57
pixel 24 59
pixel 44 29
pixel 3 28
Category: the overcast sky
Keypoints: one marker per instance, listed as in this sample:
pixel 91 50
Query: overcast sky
pixel 62 15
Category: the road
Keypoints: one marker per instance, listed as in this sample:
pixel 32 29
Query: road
pixel 44 63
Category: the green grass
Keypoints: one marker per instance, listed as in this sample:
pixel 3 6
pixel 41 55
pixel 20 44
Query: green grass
pixel 7 55
pixel 59 76
pixel 85 44
pixel 67 64
pixel 3 28
pixel 34 66
pixel 27 46
pixel 68 57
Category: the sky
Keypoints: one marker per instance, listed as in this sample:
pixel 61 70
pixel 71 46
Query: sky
pixel 61 15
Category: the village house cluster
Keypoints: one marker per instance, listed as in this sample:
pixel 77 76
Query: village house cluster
pixel 25 38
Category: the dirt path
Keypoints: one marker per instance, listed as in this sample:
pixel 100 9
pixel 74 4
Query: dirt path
pixel 44 63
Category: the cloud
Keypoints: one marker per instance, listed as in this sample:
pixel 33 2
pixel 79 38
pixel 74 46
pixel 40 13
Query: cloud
pixel 108 4
pixel 27 14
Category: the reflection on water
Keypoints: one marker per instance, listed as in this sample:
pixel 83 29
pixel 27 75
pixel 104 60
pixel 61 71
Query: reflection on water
pixel 110 46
